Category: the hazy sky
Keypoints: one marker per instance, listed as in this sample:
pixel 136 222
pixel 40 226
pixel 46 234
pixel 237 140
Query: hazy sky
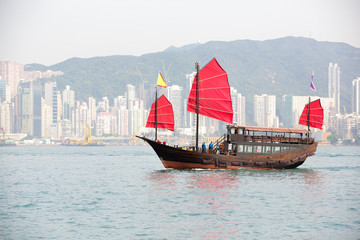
pixel 51 31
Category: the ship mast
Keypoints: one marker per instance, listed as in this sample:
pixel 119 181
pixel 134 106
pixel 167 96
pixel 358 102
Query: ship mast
pixel 155 113
pixel 309 117
pixel 197 105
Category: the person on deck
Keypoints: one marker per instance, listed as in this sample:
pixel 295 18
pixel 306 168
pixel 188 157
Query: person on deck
pixel 204 147
pixel 211 146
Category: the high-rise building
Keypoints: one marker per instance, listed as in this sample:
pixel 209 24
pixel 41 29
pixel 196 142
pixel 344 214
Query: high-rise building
pixel 104 105
pixel 120 101
pixel 233 94
pixel 238 105
pixel 2 90
pixel 240 110
pixel 265 111
pixel 7 117
pixel 59 106
pixel 286 111
pixel 51 99
pixel 334 85
pixel 68 102
pixel 12 72
pixel 356 96
pixel 137 116
pixel 46 118
pixel 130 95
pixel 80 119
pixel 92 109
pixel 28 117
pixel 123 121
pixel 174 95
pixel 188 117
pixel 25 109
pixel 106 123
pixel 50 111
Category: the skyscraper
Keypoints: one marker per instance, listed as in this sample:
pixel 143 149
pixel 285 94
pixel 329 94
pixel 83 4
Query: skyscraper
pixel 130 95
pixel 68 98
pixel 25 108
pixel 265 111
pixel 2 90
pixel 286 111
pixel 29 109
pixel 80 119
pixel 92 109
pixel 334 85
pixel 240 110
pixel 238 105
pixel 12 72
pixel 6 116
pixel 175 97
pixel 46 118
pixel 51 99
pixel 356 96
pixel 123 121
pixel 188 117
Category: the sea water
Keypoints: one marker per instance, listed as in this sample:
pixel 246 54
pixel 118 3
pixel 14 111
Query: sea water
pixel 122 192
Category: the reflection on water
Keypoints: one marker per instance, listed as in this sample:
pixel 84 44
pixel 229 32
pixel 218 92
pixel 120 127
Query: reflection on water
pixel 189 195
pixel 162 179
pixel 216 199
pixel 224 201
pixel 313 177
pixel 220 182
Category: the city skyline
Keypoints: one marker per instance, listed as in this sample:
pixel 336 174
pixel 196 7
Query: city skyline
pixel 43 110
pixel 61 30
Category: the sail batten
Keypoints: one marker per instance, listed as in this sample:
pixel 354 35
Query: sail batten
pixel 315 117
pixel 164 115
pixel 214 93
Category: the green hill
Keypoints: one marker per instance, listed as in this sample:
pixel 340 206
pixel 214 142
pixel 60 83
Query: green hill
pixel 279 66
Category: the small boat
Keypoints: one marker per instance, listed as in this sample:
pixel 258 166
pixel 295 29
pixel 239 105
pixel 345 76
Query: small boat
pixel 7 143
pixel 4 141
pixel 241 146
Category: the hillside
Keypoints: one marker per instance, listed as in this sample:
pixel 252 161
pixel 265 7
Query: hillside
pixel 279 66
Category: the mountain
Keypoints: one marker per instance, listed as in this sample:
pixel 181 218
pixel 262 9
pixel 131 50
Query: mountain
pixel 279 66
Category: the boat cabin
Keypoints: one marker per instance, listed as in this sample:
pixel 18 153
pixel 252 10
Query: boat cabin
pixel 242 140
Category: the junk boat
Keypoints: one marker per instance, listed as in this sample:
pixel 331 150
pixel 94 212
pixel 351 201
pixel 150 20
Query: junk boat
pixel 241 146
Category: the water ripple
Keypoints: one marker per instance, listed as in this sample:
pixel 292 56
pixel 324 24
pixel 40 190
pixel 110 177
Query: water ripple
pixel 125 193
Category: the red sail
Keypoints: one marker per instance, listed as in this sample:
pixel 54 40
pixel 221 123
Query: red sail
pixel 316 116
pixel 165 115
pixel 214 93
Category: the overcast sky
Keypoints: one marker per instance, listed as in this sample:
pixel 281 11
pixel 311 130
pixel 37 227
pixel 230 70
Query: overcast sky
pixel 52 31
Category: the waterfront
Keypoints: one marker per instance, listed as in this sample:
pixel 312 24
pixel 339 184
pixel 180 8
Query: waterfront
pixel 122 192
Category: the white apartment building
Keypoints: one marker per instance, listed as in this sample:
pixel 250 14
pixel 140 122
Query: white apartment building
pixel 265 111
pixel 334 84
pixel 174 95
pixel 355 100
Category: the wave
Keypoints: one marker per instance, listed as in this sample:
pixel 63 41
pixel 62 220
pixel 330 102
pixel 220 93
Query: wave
pixel 338 154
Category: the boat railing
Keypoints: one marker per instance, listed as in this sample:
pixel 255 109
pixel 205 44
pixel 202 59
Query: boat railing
pixel 279 139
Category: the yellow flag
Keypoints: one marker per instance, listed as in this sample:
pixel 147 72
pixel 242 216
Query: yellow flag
pixel 161 81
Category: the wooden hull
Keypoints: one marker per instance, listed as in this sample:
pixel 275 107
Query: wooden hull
pixel 178 158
